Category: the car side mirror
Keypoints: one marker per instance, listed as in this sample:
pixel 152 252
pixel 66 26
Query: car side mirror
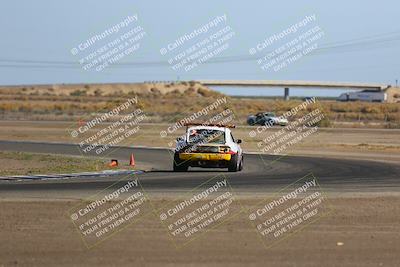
pixel 239 141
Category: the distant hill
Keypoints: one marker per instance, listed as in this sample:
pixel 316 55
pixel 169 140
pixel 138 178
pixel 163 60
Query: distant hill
pixel 109 89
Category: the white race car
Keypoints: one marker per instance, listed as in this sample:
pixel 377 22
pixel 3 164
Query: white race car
pixel 266 118
pixel 208 146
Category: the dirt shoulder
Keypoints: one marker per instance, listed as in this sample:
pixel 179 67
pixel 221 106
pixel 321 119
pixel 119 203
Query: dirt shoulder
pixel 359 232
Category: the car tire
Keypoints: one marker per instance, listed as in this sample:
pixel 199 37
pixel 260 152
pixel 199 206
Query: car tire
pixel 233 163
pixel 251 121
pixel 179 165
pixel 241 164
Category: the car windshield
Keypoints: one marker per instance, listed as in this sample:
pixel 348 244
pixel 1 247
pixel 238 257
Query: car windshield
pixel 206 136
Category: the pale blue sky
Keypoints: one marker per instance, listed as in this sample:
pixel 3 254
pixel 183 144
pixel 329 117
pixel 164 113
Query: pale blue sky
pixel 46 30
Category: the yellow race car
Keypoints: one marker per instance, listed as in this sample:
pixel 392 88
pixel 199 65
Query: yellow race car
pixel 208 146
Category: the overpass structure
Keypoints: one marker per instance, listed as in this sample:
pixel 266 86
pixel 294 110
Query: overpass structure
pixel 304 84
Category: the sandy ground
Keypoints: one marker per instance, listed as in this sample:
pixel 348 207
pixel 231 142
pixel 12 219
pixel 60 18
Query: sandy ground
pixel 363 231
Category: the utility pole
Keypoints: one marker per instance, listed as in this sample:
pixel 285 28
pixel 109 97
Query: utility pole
pixel 396 82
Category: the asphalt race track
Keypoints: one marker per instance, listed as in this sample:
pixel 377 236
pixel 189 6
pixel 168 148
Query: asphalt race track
pixel 261 172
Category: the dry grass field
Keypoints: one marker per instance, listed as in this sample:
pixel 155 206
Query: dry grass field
pixel 164 102
pixel 23 163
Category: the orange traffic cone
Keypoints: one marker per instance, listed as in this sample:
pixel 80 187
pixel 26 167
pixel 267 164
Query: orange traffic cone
pixel 132 161
pixel 114 163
